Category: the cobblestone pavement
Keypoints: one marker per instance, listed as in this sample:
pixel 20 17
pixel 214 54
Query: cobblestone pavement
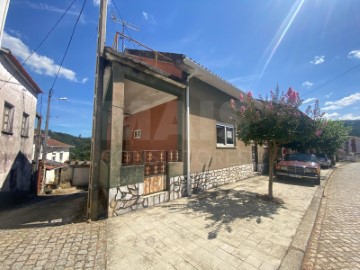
pixel 46 238
pixel 335 242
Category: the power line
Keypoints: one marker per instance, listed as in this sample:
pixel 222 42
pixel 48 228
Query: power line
pixel 68 45
pixel 118 12
pixel 48 34
pixel 43 40
pixel 334 79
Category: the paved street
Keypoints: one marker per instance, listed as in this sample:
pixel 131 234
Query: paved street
pixel 231 227
pixel 335 243
pixel 49 234
pixel 226 228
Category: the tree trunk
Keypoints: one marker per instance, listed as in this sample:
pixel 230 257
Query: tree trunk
pixel 273 147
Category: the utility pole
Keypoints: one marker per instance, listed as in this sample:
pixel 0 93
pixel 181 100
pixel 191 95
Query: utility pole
pixel 93 193
pixel 44 153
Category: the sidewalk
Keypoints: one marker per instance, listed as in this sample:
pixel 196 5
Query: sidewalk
pixel 230 227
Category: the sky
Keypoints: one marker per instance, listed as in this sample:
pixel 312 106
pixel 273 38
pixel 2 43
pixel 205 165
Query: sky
pixel 312 46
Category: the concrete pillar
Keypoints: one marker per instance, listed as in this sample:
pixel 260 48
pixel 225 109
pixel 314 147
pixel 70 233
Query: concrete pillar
pixel 117 123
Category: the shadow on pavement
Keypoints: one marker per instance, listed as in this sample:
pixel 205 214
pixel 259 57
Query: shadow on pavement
pixel 224 206
pixel 297 182
pixel 44 211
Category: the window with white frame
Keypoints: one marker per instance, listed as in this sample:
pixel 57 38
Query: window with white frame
pixel 137 134
pixel 225 135
pixel 8 117
pixel 53 156
pixel 25 125
pixel 61 156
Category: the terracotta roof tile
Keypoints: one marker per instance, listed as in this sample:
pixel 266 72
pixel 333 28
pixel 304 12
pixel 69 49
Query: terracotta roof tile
pixel 55 143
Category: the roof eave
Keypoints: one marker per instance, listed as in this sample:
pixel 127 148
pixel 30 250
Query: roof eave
pixel 112 55
pixel 11 59
pixel 189 66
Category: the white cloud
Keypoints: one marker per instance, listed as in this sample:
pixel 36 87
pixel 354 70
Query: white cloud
pixel 349 116
pixel 16 33
pixel 38 63
pixel 96 2
pixel 318 60
pixel 331 115
pixel 354 54
pixel 307 84
pixel 341 103
pixel 148 17
pixel 309 100
pixel 329 95
pixel 84 80
pixel 248 78
pixel 54 9
pixel 335 115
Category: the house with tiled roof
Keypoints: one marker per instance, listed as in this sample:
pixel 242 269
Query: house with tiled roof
pixel 58 154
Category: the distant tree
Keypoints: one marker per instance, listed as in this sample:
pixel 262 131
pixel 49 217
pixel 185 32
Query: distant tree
pixel 333 135
pixel 274 121
pixel 355 125
pixel 81 151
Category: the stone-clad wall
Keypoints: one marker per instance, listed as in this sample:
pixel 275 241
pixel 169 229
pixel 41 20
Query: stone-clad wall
pixel 130 197
pixel 211 179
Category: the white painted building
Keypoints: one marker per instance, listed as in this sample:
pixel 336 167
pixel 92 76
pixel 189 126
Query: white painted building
pixel 58 153
pixel 18 100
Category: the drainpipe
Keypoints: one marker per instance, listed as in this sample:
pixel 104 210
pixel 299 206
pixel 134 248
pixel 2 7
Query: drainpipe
pixel 188 180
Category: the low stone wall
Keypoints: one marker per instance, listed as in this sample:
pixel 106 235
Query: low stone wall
pixel 211 179
pixel 130 197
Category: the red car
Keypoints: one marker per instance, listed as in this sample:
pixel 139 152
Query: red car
pixel 301 166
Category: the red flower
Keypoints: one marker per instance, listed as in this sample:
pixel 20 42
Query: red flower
pixel 292 95
pixel 318 133
pixel 232 104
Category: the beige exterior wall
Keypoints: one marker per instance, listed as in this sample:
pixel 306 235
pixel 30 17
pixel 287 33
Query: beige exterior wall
pixel 209 106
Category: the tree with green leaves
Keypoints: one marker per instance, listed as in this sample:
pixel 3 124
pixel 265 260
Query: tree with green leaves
pixel 273 121
pixel 333 135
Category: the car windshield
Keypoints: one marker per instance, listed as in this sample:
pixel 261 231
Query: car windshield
pixel 300 157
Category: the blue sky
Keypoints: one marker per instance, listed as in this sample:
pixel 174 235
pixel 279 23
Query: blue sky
pixel 310 45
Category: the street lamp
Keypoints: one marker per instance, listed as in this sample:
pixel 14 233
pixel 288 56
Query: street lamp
pixel 51 92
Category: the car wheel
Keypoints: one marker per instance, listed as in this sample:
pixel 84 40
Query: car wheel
pixel 317 181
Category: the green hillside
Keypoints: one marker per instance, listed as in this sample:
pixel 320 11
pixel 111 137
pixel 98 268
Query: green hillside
pixel 81 151
pixel 355 124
